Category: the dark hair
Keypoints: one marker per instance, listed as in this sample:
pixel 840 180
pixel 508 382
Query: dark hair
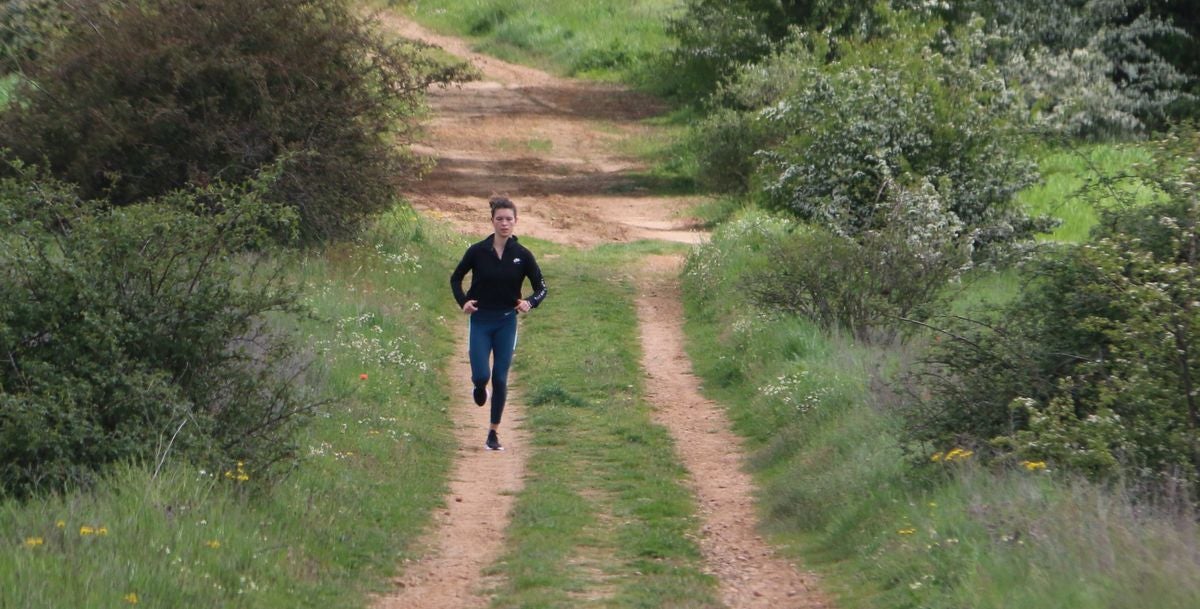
pixel 499 202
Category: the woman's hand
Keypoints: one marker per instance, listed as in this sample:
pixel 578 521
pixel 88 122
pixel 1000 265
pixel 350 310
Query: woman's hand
pixel 523 306
pixel 470 306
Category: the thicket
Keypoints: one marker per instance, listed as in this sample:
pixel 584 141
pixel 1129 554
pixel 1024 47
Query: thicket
pixel 1093 366
pixel 142 333
pixel 140 98
pixel 905 160
pixel 1086 67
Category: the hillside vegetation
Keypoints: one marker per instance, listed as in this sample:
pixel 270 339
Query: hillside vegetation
pixel 949 299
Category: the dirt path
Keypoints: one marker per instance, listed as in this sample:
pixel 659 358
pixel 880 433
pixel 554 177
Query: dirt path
pixel 751 575
pixel 553 146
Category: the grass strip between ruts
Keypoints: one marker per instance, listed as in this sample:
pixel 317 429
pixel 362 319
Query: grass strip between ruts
pixel 604 518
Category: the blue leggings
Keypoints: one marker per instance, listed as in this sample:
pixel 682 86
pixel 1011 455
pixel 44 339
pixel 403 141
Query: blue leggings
pixel 493 333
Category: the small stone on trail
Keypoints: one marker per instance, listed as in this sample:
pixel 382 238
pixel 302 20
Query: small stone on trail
pixel 458 499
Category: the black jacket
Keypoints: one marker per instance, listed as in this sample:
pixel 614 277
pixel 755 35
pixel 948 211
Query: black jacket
pixel 496 282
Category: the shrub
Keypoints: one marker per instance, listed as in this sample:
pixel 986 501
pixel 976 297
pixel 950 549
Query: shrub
pixel 894 112
pixel 716 37
pixel 142 98
pixel 140 333
pixel 1087 68
pixel 866 285
pixel 1095 364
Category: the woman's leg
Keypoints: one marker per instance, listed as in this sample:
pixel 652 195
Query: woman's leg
pixel 479 347
pixel 504 342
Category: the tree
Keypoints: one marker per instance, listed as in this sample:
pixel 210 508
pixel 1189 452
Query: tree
pixel 145 97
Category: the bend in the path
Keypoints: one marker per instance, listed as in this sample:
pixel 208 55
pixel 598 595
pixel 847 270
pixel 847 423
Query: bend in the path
pixel 751 574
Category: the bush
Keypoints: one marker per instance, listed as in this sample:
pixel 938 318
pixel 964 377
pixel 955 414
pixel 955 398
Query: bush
pixel 1087 68
pixel 142 98
pixel 866 286
pixel 894 112
pixel 716 37
pixel 1094 365
pixel 141 333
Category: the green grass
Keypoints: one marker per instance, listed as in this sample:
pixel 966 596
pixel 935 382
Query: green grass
pixel 604 519
pixel 1065 174
pixel 839 493
pixel 369 470
pixel 603 39
pixel 7 83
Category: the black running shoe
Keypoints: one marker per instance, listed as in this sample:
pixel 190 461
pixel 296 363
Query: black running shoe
pixel 493 441
pixel 480 396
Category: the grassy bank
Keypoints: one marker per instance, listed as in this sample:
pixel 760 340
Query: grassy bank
pixel 839 492
pixel 369 468
pixel 604 39
pixel 604 519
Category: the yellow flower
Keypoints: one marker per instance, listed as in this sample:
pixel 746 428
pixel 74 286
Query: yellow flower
pixel 213 543
pixel 240 475
pixel 907 531
pixel 1034 465
pixel 102 531
pixel 86 530
pixel 936 457
pixel 61 524
pixel 131 598
pixel 33 542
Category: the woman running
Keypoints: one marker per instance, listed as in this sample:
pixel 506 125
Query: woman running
pixel 499 266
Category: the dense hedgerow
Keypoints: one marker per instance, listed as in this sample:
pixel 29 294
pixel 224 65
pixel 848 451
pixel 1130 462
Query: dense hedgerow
pixel 144 97
pixel 1094 366
pixel 141 333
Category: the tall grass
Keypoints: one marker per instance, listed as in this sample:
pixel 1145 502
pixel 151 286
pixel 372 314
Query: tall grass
pixel 839 491
pixel 604 39
pixel 369 469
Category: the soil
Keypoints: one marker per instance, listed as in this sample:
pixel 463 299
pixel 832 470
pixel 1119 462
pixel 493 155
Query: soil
pixel 552 145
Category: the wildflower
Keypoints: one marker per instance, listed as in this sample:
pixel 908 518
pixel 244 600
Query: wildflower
pixel 86 530
pixel 363 376
pixel 131 598
pixel 907 531
pixel 213 543
pixel 240 475
pixel 33 542
pixel 101 531
pixel 62 524
pixel 937 457
pixel 1033 465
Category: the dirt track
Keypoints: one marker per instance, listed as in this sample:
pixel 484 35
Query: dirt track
pixel 550 143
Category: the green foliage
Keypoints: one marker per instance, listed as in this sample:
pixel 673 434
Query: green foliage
pixel 27 28
pixel 1088 68
pixel 603 39
pixel 826 448
pixel 889 114
pixel 141 332
pixel 142 98
pixel 865 286
pixel 1092 366
pixel 716 37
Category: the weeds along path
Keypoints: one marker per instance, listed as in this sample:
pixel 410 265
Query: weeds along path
pixel 554 146
pixel 751 575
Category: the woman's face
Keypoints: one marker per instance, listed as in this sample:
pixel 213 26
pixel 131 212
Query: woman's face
pixel 504 220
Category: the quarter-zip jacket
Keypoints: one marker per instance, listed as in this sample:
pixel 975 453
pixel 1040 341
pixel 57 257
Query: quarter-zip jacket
pixel 496 281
